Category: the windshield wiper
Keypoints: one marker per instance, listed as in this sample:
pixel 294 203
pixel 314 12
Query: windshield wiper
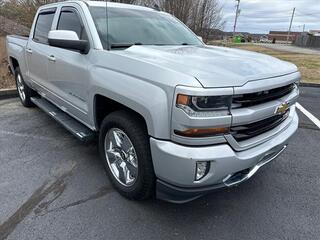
pixel 123 45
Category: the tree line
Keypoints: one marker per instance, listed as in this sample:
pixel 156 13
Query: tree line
pixel 200 15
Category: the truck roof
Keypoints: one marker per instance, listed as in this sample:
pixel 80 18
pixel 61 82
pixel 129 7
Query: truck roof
pixel 101 4
pixel 117 5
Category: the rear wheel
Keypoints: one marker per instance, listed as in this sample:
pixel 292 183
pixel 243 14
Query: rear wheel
pixel 25 93
pixel 125 151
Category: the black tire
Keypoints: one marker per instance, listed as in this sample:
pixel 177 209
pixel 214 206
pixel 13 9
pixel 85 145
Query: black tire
pixel 135 129
pixel 28 92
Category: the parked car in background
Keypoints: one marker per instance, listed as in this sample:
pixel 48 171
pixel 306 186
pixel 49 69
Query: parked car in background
pixel 264 40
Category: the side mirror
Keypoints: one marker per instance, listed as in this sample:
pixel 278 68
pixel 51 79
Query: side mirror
pixel 68 40
pixel 200 38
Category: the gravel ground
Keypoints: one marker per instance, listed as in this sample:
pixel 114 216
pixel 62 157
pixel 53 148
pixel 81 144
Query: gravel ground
pixel 54 187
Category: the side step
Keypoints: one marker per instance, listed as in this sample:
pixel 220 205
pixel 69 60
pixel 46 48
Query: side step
pixel 76 128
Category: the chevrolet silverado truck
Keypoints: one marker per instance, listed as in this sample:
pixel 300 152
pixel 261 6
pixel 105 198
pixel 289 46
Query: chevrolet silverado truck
pixel 174 117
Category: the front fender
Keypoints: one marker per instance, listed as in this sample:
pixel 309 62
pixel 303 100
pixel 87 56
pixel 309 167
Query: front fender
pixel 153 102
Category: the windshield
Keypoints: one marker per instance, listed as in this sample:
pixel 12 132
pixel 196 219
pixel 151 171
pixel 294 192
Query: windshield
pixel 129 27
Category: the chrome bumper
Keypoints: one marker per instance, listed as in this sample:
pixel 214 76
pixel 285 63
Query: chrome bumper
pixel 237 178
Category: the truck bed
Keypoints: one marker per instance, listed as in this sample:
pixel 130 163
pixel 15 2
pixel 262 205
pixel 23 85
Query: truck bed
pixel 18 40
pixel 16 46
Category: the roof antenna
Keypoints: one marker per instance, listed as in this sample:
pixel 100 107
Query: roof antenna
pixel 107 16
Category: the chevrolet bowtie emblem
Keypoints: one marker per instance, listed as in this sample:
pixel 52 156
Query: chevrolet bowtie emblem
pixel 282 108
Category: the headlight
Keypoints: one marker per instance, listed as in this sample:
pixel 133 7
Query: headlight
pixel 204 107
pixel 193 105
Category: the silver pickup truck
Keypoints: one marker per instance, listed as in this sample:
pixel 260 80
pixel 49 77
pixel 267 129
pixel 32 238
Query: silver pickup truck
pixel 175 118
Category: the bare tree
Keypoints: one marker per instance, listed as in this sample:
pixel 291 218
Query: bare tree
pixel 206 15
pixel 179 8
pixel 202 16
pixel 21 11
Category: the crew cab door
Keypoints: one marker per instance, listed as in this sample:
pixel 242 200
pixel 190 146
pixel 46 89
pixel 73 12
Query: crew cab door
pixel 37 49
pixel 67 70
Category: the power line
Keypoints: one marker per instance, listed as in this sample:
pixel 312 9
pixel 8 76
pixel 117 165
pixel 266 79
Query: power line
pixel 271 11
pixel 316 14
pixel 265 17
pixel 313 17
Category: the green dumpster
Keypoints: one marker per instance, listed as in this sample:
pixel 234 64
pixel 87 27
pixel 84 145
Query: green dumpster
pixel 237 39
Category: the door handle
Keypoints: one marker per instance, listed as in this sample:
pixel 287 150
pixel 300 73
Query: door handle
pixel 29 50
pixel 51 58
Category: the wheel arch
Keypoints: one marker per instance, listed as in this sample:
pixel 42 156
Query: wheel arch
pixel 103 106
pixel 13 63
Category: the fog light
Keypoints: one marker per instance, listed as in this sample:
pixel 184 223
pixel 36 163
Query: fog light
pixel 202 169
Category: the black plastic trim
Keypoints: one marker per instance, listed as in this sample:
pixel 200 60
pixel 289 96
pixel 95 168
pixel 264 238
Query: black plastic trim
pixel 252 99
pixel 170 193
pixel 80 45
pixel 244 132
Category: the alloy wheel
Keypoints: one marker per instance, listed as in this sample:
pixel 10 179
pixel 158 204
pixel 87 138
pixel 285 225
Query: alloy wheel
pixel 121 157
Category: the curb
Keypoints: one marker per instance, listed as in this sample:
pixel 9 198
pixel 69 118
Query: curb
pixel 315 85
pixel 8 93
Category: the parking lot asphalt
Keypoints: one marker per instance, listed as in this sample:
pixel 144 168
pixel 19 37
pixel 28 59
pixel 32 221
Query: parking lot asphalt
pixel 54 187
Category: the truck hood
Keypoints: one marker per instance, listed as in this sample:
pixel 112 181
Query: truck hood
pixel 212 66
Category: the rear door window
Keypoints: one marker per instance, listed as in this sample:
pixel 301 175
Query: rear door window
pixel 43 26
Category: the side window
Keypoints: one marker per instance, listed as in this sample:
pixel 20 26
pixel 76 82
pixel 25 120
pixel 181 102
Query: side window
pixel 43 26
pixel 70 20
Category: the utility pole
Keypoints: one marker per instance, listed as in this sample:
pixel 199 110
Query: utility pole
pixel 304 27
pixel 294 10
pixel 236 19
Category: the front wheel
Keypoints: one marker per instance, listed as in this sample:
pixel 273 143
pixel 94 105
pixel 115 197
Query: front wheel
pixel 125 150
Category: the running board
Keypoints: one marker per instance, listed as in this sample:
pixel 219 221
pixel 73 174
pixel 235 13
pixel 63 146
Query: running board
pixel 79 130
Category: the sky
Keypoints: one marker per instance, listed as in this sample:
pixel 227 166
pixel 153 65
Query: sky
pixel 261 16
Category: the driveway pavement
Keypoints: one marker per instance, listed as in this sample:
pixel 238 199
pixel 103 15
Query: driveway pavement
pixel 291 48
pixel 54 187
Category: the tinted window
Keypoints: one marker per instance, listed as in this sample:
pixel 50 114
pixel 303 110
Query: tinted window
pixel 43 26
pixel 69 20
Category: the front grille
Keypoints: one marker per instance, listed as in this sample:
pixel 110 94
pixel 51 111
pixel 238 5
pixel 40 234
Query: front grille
pixel 245 132
pixel 251 99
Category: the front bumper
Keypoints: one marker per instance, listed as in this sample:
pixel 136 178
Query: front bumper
pixel 175 165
